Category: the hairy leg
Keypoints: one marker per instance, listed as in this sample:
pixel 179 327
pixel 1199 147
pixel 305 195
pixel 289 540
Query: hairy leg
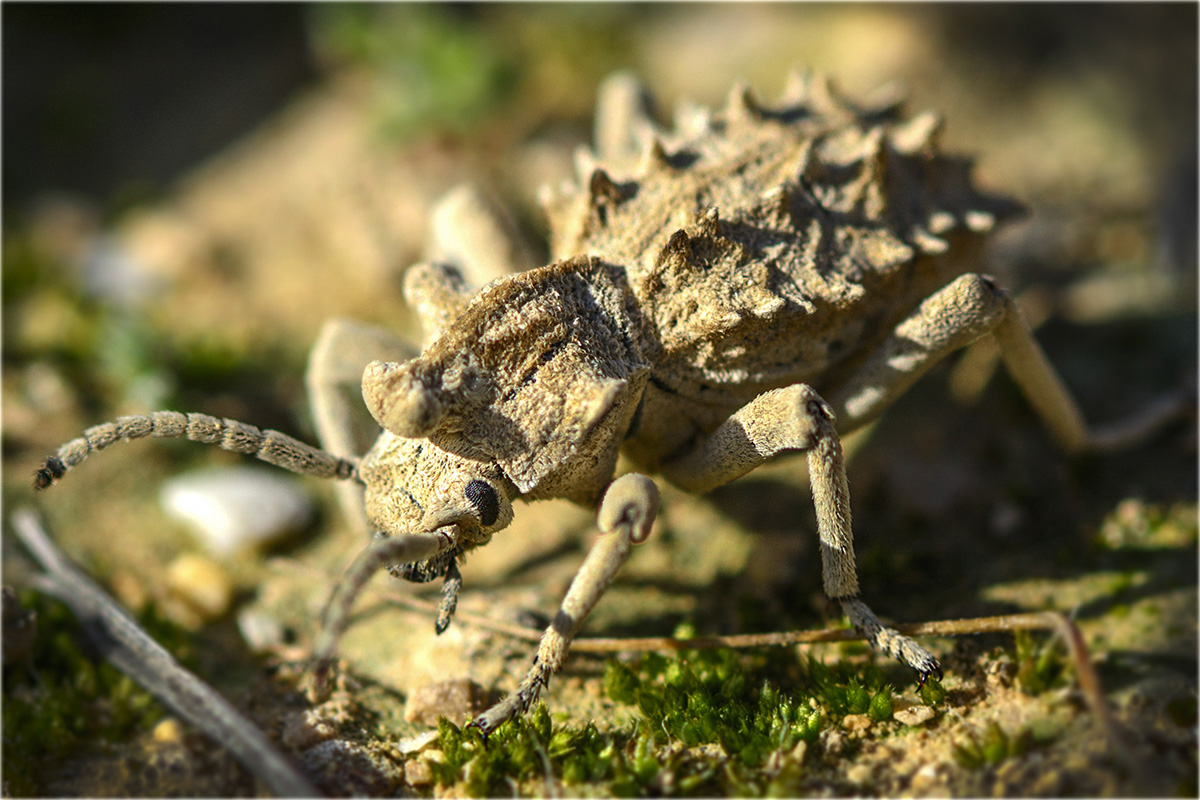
pixel 626 514
pixel 796 418
pixel 955 316
pixel 381 553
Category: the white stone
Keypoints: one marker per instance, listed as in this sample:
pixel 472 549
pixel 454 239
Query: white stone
pixel 261 631
pixel 415 744
pixel 233 508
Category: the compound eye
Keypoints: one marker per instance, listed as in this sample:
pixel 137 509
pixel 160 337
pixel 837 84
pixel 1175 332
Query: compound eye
pixel 483 497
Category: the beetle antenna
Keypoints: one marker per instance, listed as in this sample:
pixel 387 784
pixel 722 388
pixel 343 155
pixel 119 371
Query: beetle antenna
pixel 228 434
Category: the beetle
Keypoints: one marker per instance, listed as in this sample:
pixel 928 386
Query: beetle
pixel 757 280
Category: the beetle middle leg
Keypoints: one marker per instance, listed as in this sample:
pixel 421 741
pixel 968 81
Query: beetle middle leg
pixel 796 418
pixel 628 510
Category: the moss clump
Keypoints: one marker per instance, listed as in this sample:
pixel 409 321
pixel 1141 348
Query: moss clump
pixel 849 688
pixel 932 693
pixel 532 750
pixel 70 699
pixel 709 722
pixel 1041 665
pixel 880 708
pixel 710 697
pixel 992 747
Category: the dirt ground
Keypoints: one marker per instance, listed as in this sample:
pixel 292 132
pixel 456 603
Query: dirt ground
pixel 963 507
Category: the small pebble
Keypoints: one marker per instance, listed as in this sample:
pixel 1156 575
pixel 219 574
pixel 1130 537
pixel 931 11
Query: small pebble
pixel 914 715
pixel 261 631
pixel 417 772
pixel 203 585
pixel 1001 673
pixel 859 773
pixel 169 731
pixel 415 744
pixel 454 699
pixel 856 722
pixel 833 741
pixel 925 779
pixel 305 729
pixel 346 769
pixel 238 507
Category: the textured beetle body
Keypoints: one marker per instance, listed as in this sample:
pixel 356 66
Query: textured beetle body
pixel 753 282
pixel 754 250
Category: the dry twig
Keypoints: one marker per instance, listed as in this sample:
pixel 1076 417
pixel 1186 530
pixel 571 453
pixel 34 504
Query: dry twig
pixel 131 650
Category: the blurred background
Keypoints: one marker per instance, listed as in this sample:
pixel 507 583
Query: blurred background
pixel 190 190
pixel 237 173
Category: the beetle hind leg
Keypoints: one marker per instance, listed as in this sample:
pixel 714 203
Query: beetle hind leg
pixel 958 314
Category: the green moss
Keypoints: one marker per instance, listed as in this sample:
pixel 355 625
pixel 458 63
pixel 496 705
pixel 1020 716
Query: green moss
pixel 992 747
pixel 531 749
pixel 69 700
pixel 1120 583
pixel 1134 524
pixel 1041 665
pixel 709 722
pixel 710 697
pixel 880 709
pixel 435 69
pixel 932 693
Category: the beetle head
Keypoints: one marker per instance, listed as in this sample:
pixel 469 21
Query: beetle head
pixel 414 486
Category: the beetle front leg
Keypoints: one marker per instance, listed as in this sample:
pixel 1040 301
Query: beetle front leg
pixel 382 552
pixel 796 418
pixel 626 514
pixel 334 383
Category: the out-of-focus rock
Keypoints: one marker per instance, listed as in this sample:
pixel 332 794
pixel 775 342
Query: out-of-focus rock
pixel 230 509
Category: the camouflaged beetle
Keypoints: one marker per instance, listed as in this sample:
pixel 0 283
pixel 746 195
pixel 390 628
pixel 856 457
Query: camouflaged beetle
pixel 755 281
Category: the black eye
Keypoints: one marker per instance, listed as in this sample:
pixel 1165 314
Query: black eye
pixel 484 498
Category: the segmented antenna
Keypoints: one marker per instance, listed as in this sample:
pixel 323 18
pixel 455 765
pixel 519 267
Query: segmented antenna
pixel 228 434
